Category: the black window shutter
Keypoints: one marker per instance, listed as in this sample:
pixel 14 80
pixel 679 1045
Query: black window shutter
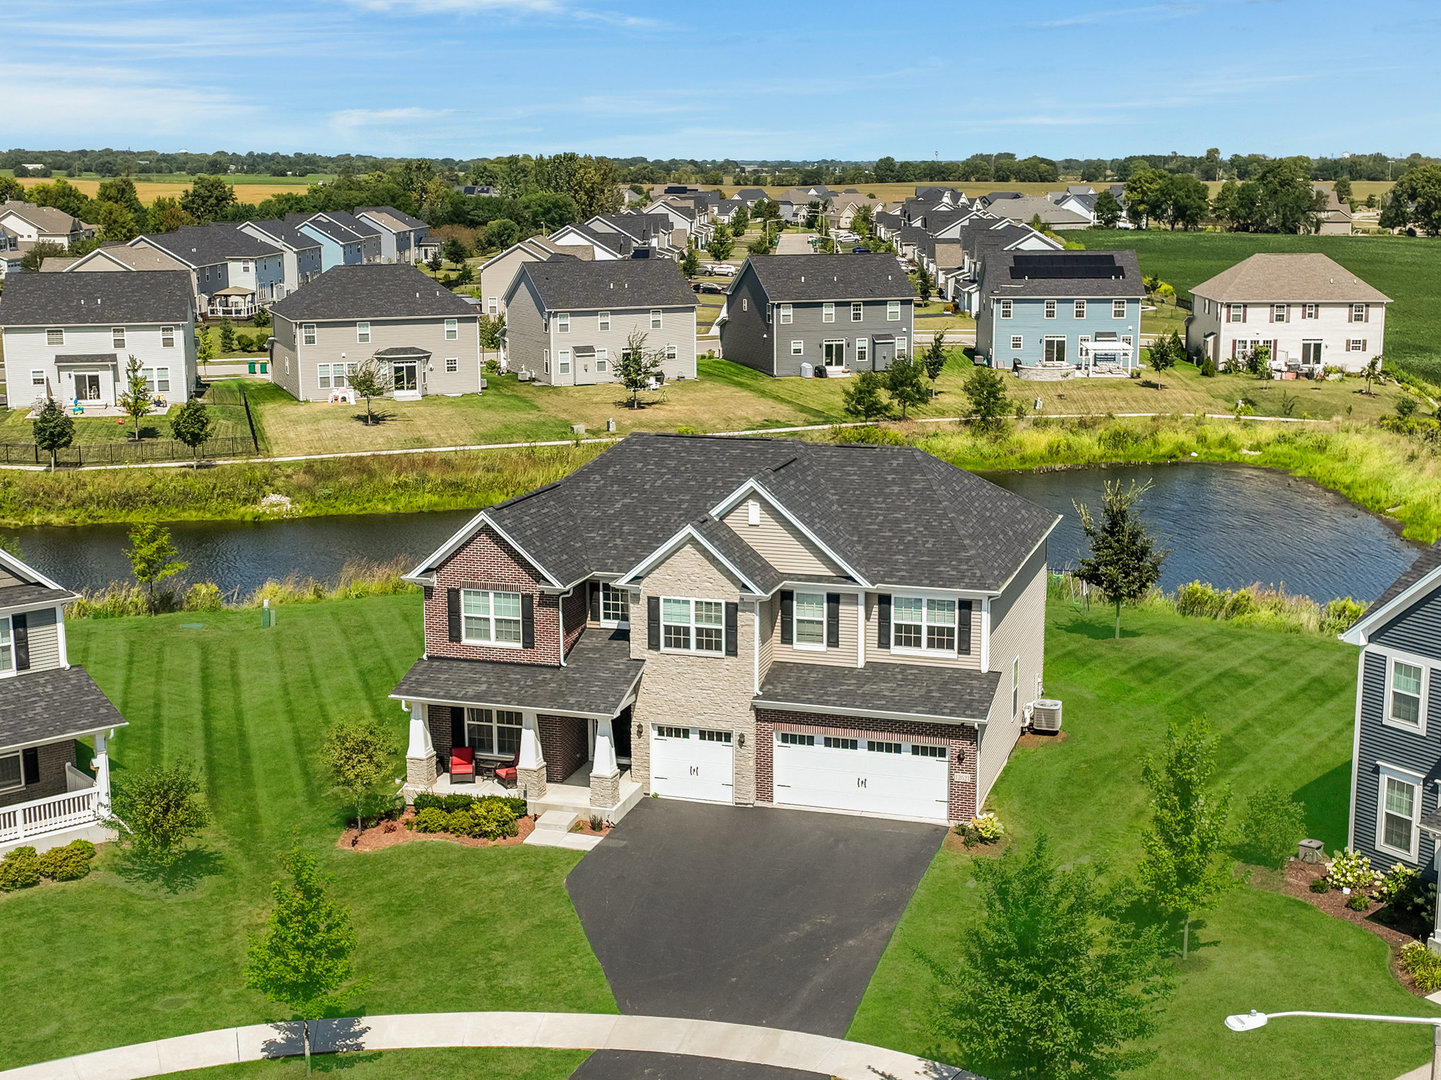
pixel 527 621
pixel 30 764
pixel 788 617
pixel 883 621
pixel 652 622
pixel 833 620
pixel 452 612
pixel 963 634
pixel 457 726
pixel 20 638
pixel 595 601
pixel 732 629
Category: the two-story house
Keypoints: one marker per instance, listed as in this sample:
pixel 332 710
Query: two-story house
pixel 568 321
pixel 427 337
pixel 31 224
pixel 1307 308
pixel 796 314
pixel 70 336
pixel 339 244
pixel 733 621
pixel 46 704
pixel 299 253
pixel 234 272
pixel 400 233
pixel 497 272
pixel 1063 310
pixel 1396 768
pixel 10 253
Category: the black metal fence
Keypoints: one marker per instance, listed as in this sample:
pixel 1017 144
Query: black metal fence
pixel 128 452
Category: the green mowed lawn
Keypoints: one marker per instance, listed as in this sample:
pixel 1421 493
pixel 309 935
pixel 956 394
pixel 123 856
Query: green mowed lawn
pixel 440 927
pixel 1282 705
pixel 1407 269
pixel 489 1064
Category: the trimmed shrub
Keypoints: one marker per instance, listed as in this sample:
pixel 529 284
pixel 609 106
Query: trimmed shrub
pixel 1405 893
pixel 85 846
pixel 1349 870
pixel 453 802
pixel 19 869
pixel 1270 827
pixel 431 819
pixel 67 863
pixel 1358 901
pixel 1423 965
pixel 1320 885
pixel 493 821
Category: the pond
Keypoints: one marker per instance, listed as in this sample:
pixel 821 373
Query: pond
pixel 1229 525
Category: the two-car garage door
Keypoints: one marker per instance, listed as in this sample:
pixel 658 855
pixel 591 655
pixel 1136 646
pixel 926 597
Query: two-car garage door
pixel 692 763
pixel 887 776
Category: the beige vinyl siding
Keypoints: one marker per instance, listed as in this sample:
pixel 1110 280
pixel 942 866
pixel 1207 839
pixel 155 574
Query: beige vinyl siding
pixel 44 636
pixel 525 336
pixel 780 543
pixel 1018 620
pixel 876 654
pixel 842 656
pixel 334 338
pixel 7 579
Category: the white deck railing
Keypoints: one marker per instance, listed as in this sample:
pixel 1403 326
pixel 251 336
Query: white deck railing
pixel 72 810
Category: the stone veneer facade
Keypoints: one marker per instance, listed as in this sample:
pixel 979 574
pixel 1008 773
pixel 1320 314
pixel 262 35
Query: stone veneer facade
pixel 960 740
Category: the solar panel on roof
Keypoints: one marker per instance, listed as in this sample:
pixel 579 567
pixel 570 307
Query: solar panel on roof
pixel 1071 265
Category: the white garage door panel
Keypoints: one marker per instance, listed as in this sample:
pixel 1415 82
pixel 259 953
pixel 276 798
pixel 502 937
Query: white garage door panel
pixel 865 780
pixel 691 763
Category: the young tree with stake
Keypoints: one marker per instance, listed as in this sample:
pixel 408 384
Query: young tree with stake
pixel 358 753
pixel 135 401
pixel 638 366
pixel 192 425
pixel 371 380
pixel 54 429
pixel 905 385
pixel 934 358
pixel 1124 562
pixel 990 404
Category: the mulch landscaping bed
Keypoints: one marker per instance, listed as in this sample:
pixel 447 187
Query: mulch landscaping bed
pixel 1296 881
pixel 1030 738
pixel 389 833
pixel 583 827
pixel 955 842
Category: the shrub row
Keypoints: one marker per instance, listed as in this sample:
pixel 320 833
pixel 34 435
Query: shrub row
pixel 454 802
pixel 484 818
pixel 22 867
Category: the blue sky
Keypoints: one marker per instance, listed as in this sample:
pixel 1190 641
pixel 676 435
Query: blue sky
pixel 850 79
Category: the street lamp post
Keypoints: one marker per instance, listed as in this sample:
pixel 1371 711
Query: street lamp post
pixel 1252 1020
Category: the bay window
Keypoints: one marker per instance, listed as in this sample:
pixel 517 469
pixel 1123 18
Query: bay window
pixel 490 618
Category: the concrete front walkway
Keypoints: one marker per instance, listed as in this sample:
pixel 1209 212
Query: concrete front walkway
pixel 556 1031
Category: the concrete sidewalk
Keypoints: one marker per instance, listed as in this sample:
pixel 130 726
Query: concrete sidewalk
pixel 558 1031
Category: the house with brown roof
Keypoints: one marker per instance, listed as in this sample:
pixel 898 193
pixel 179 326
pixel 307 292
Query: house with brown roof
pixel 32 224
pixel 1308 309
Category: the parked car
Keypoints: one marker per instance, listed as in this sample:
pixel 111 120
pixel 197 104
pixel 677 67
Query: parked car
pixel 723 270
pixel 847 237
pixel 709 287
pixel 860 249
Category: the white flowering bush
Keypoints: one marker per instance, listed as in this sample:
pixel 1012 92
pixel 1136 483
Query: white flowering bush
pixel 276 504
pixel 981 829
pixel 1351 870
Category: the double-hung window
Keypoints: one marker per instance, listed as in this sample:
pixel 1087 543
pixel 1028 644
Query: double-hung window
pixel 1358 312
pixel 1355 344
pixel 12 772
pixel 562 322
pixel 1235 312
pixel 655 319
pixel 1399 807
pixel 452 330
pixel 692 625
pixel 37 378
pixel 858 311
pixel 787 313
pixel 1018 341
pixel 1003 309
pixel 1406 694
pixel 1309 311
pixel 1118 309
pixel 452 364
pixel 157 379
pixel 603 320
pixel 564 358
pixel 362 333
pixel 1078 309
pixel 307 333
pixel 167 337
pixel 490 618
pixel 810 620
pixel 1050 310
pixel 923 624
pixel 863 351
pixel 493 732
pixel 614 606
pixel 893 311
pixel 602 361
pixel 492 305
pixel 828 313
pixel 798 347
pixel 117 337
pixel 1278 312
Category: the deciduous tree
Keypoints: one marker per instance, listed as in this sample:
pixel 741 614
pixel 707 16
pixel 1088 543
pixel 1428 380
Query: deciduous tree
pixel 162 808
pixel 358 754
pixel 135 400
pixel 990 403
pixel 905 383
pixel 1108 210
pixel 934 359
pixel 207 198
pixel 1125 561
pixel 1415 199
pixel 454 251
pixel 54 428
pixel 39 252
pixel 861 397
pixel 638 365
pixel 371 379
pixel 192 424
pixel 152 556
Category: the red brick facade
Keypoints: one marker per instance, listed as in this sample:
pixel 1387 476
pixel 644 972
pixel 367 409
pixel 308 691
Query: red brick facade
pixel 564 741
pixel 438 719
pixel 959 738
pixel 487 562
pixel 52 759
pixel 576 609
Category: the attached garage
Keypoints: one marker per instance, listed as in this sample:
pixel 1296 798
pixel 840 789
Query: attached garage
pixel 880 774
pixel 692 763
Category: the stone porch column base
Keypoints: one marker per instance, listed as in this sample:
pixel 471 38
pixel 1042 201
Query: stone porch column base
pixel 531 782
pixel 604 791
pixel 420 772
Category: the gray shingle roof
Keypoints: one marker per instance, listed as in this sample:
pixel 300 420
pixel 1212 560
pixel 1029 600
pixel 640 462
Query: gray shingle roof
pixel 14 596
pixel 206 245
pixel 371 291
pixel 739 554
pixel 287 234
pixel 900 690
pixel 609 284
pixel 353 223
pixel 869 276
pixel 46 706
pixel 960 531
pixel 1425 562
pixel 408 220
pixel 1116 274
pixel 597 677
pixel 80 299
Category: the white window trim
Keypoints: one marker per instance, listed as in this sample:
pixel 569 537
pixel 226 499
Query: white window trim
pixel 691 650
pixel 1049 309
pixel 615 622
pixel 1417 781
pixel 359 340
pixel 167 337
pixel 798 347
pixel 1389 658
pixel 906 650
pixel 893 311
pixel 117 337
pixel 603 320
pixel 7 623
pixel 828 312
pixel 452 364
pixel 452 329
pixel 1018 341
pixel 307 333
pixel 21 785
pixel 54 330
pixel 858 311
pixel 1003 309
pixel 1078 309
pixel 492 643
pixel 494 724
pixel 657 319
pixel 562 322
pixel 796 642
pixel 787 314
pixel 1118 309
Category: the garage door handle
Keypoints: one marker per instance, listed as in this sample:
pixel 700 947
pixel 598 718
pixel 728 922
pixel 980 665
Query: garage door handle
pixel 695 770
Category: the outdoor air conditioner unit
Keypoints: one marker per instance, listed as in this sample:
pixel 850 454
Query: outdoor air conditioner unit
pixel 1046 715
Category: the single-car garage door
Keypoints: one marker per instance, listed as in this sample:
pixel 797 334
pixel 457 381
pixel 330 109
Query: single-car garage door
pixel 692 763
pixel 876 776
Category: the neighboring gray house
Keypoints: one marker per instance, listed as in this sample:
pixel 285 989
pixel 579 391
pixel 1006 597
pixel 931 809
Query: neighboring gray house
pixel 568 321
pixel 497 272
pixel 70 336
pixel 400 233
pixel 750 622
pixel 790 314
pixel 299 253
pixel 1059 310
pixel 46 704
pixel 234 272
pixel 339 245
pixel 1396 772
pixel 427 337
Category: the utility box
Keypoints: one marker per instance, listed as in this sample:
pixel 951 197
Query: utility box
pixel 1311 851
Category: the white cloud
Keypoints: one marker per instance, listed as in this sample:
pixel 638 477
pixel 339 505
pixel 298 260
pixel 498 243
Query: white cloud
pixel 1090 18
pixel 386 117
pixel 555 8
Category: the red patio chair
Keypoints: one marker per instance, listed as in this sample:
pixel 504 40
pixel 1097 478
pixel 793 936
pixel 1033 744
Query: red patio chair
pixel 462 765
pixel 506 775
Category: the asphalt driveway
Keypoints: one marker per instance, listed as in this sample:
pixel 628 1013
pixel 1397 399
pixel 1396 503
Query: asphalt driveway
pixel 742 914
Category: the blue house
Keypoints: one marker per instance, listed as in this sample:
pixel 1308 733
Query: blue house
pixel 1061 310
pixel 339 245
pixel 1395 797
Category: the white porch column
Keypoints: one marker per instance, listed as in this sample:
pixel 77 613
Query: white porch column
pixel 1434 942
pixel 604 773
pixel 102 773
pixel 530 768
pixel 420 768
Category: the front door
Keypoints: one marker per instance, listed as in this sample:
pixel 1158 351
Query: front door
pixel 835 354
pixel 87 385
pixel 406 375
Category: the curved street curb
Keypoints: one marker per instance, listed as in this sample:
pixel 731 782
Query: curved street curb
pixel 555 1031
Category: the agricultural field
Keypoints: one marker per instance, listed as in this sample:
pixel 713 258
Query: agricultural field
pixel 249 188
